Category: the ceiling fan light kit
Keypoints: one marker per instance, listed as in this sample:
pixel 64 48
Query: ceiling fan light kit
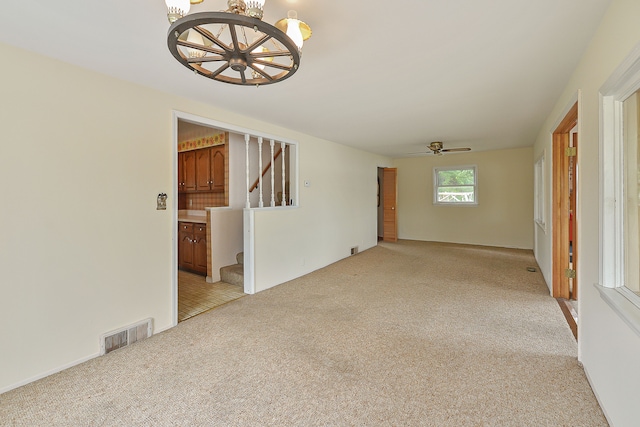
pixel 235 46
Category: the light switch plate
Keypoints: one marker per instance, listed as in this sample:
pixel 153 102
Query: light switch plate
pixel 161 202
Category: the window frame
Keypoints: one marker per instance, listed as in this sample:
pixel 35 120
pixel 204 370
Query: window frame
pixel 437 169
pixel 623 83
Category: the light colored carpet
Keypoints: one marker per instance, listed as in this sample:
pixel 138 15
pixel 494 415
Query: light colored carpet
pixel 406 334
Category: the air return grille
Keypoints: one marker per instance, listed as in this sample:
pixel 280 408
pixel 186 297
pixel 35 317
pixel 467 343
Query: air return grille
pixel 125 336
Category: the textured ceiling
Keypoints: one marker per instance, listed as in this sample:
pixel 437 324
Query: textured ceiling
pixel 383 76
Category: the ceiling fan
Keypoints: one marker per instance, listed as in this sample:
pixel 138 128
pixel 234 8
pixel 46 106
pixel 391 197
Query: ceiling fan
pixel 437 149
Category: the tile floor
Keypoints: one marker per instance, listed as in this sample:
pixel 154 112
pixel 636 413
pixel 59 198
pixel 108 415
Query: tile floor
pixel 196 296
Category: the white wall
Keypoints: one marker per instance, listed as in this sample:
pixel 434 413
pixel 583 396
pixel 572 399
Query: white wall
pixel 337 211
pixel 608 348
pixel 83 249
pixel 226 236
pixel 503 216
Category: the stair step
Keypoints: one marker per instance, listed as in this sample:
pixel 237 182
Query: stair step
pixel 233 274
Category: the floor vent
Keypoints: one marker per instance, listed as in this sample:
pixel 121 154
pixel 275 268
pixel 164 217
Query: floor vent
pixel 354 250
pixel 125 336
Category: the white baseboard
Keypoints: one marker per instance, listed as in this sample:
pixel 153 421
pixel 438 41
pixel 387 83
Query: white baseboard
pixel 47 373
pixel 63 367
pixel 595 393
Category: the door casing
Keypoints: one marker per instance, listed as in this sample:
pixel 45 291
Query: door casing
pixel 561 204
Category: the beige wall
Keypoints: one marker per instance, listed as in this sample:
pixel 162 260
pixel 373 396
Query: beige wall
pixel 337 211
pixel 608 348
pixel 503 216
pixel 83 250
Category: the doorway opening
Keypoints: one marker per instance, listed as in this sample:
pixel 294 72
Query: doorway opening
pixel 202 186
pixel 387 202
pixel 565 218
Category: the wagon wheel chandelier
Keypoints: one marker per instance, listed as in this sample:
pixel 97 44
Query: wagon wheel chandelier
pixel 235 46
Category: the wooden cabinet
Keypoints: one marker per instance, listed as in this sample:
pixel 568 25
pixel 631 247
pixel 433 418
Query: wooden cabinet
pixel 217 169
pixel 192 247
pixel 185 246
pixel 210 170
pixel 186 171
pixel 202 170
pixel 200 248
pixel 180 172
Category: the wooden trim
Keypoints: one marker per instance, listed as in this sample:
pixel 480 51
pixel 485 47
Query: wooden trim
pixel 569 121
pixel 574 223
pixel 560 216
pixel 564 306
pixel 560 203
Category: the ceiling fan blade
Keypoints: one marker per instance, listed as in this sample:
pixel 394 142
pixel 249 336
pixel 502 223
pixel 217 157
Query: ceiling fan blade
pixel 456 149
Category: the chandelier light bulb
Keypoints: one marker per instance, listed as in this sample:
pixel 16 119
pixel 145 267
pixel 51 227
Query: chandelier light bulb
pixel 259 49
pixel 195 38
pixel 293 28
pixel 176 9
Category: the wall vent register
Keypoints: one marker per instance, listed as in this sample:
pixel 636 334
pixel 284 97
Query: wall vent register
pixel 125 336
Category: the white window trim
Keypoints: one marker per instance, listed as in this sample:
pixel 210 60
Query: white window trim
pixel 540 192
pixel 446 168
pixel 623 83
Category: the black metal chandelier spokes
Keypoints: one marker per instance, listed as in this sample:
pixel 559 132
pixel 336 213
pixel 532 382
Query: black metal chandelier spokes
pixel 233 48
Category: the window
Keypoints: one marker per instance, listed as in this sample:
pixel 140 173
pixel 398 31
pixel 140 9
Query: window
pixel 457 185
pixel 631 198
pixel 619 198
pixel 539 192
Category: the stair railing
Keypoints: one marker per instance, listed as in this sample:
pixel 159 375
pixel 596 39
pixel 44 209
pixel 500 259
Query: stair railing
pixel 258 183
pixel 266 168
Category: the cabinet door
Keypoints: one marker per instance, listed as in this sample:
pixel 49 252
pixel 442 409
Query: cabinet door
pixel 217 168
pixel 200 248
pixel 180 172
pixel 203 170
pixel 185 249
pixel 189 167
